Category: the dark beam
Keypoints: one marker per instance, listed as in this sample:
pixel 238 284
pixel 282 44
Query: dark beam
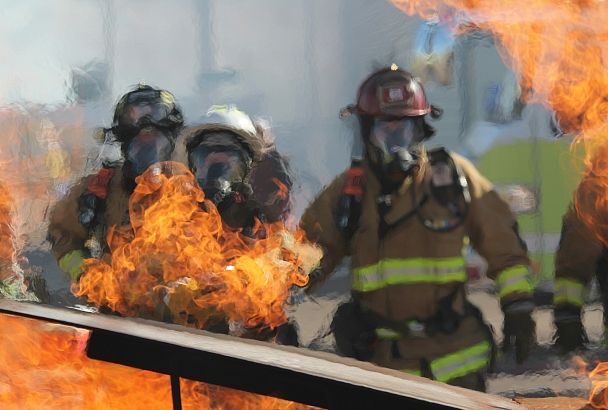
pixel 295 374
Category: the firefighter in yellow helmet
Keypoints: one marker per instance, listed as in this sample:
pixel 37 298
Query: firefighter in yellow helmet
pixel 402 213
pixel 247 180
pixel 239 171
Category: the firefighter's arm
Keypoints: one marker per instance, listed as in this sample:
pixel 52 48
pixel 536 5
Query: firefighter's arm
pixel 66 234
pixel 319 224
pixel 576 260
pixel 492 228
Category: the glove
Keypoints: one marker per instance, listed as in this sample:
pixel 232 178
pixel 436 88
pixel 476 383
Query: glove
pixel 354 335
pixel 73 263
pixel 570 333
pixel 519 329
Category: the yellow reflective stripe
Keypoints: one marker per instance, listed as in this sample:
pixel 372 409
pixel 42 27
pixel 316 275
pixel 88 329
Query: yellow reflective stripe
pixel 514 280
pixel 412 372
pixel 387 334
pixel 461 363
pixel 72 263
pixel 412 270
pixel 568 291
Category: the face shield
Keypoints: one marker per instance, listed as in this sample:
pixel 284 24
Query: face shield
pixel 149 146
pixel 217 169
pixel 140 116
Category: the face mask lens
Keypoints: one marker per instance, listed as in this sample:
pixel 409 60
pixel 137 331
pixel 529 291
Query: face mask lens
pixel 213 164
pixel 391 136
pixel 148 147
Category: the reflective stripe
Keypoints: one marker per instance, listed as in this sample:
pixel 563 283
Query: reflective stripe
pixel 514 280
pixel 568 291
pixel 72 263
pixel 387 334
pixel 461 363
pixel 412 372
pixel 405 271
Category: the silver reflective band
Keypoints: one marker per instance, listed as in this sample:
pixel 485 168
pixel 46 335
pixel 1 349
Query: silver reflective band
pixel 406 271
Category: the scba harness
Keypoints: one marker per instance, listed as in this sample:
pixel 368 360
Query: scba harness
pixel 448 186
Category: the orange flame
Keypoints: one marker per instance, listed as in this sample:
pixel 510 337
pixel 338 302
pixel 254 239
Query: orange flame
pixel 558 50
pixel 44 365
pixel 282 190
pixel 598 395
pixel 7 244
pixel 36 159
pixel 178 259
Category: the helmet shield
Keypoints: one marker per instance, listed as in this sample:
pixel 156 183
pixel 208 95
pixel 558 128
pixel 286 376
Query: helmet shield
pixel 145 107
pixel 140 116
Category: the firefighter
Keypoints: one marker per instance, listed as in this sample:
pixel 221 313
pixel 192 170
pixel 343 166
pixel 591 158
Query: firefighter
pixel 240 171
pixel 580 256
pixel 247 180
pixel 403 214
pixel 146 124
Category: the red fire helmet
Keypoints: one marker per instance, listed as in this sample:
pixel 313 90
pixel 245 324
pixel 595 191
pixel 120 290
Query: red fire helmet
pixel 392 92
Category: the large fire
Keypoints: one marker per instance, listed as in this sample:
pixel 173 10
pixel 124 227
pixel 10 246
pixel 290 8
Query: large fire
pixel 558 49
pixel 177 259
pixel 36 160
pixel 44 365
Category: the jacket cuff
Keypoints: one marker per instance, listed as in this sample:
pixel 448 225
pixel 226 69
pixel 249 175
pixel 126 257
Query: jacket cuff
pixel 569 292
pixel 514 280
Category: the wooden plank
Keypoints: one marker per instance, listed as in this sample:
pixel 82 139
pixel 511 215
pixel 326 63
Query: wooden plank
pixel 297 374
pixel 551 403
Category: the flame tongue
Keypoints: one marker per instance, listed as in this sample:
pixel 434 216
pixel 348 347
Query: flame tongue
pixel 177 259
pixel 7 243
pixel 558 49
pixel 598 396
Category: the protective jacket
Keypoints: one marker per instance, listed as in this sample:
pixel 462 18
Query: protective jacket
pixel 405 276
pixel 67 233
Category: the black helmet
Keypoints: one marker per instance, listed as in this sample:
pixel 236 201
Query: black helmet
pixel 145 106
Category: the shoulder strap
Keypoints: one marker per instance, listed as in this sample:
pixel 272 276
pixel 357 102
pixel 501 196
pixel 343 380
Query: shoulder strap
pixel 98 183
pixel 349 204
pixel 450 189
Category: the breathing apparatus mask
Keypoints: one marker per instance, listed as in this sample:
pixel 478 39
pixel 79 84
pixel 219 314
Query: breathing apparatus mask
pixel 220 166
pixel 393 146
pixel 151 145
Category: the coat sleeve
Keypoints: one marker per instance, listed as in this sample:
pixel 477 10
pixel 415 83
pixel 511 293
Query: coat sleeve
pixel 66 233
pixel 576 260
pixel 492 229
pixel 319 224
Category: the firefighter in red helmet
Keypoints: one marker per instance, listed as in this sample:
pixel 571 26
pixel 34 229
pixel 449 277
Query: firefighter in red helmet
pixel 403 217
